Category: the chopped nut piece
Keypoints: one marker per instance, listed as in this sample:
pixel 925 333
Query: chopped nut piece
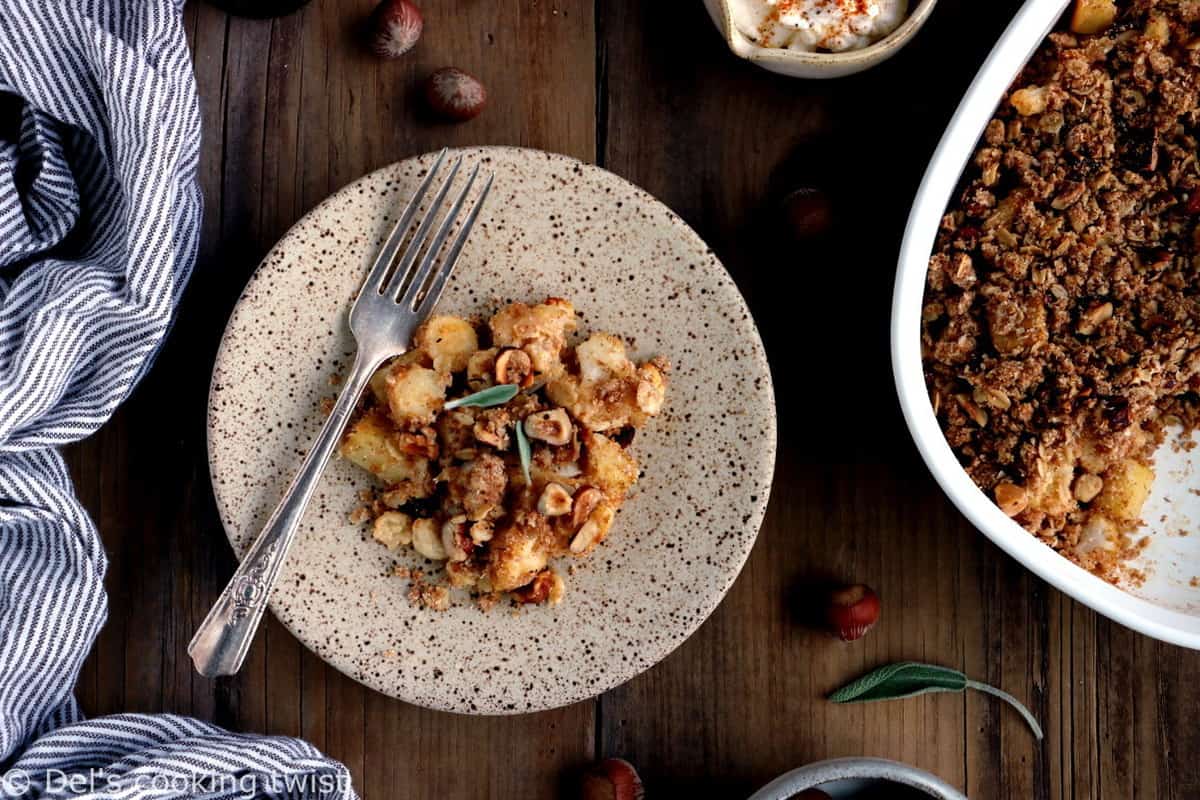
pixel 593 531
pixel 427 541
pixel 480 368
pixel 514 366
pixel 555 501
pixel 1011 498
pixel 1087 486
pixel 547 586
pixel 586 500
pixel 1029 100
pixel 651 389
pixel 492 428
pixel 392 529
pixel 481 531
pixel 455 541
pixel 552 427
pixel 1093 318
pixel 977 414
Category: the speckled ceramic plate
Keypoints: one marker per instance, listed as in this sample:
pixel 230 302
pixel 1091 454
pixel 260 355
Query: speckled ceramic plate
pixel 552 226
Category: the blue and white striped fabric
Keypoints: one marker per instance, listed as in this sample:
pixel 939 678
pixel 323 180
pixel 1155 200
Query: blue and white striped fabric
pixel 99 218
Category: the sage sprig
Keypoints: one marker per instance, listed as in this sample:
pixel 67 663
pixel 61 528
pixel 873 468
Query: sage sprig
pixel 910 678
pixel 486 398
pixel 524 451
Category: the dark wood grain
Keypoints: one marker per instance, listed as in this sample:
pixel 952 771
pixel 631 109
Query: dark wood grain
pixel 293 108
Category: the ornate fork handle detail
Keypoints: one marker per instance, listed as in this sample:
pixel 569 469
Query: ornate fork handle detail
pixel 223 639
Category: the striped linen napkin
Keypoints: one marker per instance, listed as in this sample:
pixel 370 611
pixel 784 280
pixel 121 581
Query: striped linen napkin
pixel 99 218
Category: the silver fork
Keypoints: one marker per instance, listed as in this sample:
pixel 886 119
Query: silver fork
pixel 384 317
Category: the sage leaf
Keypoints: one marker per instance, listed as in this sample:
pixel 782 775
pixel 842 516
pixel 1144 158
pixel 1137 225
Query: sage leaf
pixel 911 678
pixel 486 398
pixel 524 451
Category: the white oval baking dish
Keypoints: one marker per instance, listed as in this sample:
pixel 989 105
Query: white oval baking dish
pixel 1167 605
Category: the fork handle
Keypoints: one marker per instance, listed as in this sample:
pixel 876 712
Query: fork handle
pixel 223 639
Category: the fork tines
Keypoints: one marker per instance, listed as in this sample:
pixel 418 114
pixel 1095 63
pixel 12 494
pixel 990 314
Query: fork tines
pixel 414 284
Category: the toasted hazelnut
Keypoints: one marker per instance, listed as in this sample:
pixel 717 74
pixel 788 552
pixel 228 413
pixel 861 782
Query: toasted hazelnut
pixel 546 586
pixel 594 530
pixel 555 501
pixel 481 531
pixel 552 427
pixel 427 541
pixel 852 611
pixel 514 366
pixel 392 529
pixel 1096 315
pixel 396 26
pixel 977 414
pixel 587 536
pixel 585 502
pixel 492 428
pixel 454 94
pixel 807 212
pixel 455 541
pixel 1087 486
pixel 612 779
pixel 651 389
pixel 1011 498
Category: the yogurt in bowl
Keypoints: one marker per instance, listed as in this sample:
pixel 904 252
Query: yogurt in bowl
pixel 818 38
pixel 809 26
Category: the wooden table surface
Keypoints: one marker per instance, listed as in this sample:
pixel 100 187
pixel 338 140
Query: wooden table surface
pixel 294 108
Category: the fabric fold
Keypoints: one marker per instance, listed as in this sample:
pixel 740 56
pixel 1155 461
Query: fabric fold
pixel 99 222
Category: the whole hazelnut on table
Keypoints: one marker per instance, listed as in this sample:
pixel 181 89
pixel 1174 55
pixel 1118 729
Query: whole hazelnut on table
pixel 395 26
pixel 851 611
pixel 612 779
pixel 454 94
pixel 806 212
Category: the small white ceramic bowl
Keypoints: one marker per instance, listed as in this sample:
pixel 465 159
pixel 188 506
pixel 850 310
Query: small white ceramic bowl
pixel 843 778
pixel 1167 605
pixel 799 64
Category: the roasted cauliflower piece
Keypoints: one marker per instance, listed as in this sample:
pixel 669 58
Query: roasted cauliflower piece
pixel 609 391
pixel 449 341
pixel 415 394
pixel 370 443
pixel 519 551
pixel 541 331
pixel 608 466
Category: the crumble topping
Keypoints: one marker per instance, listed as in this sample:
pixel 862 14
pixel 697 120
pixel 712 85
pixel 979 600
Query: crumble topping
pixel 498 448
pixel 1059 330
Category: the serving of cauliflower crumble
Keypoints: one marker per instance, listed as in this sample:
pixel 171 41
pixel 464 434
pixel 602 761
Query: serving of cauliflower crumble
pixel 497 448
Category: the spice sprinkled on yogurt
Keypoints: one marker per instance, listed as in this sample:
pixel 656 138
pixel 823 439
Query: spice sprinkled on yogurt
pixel 811 25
